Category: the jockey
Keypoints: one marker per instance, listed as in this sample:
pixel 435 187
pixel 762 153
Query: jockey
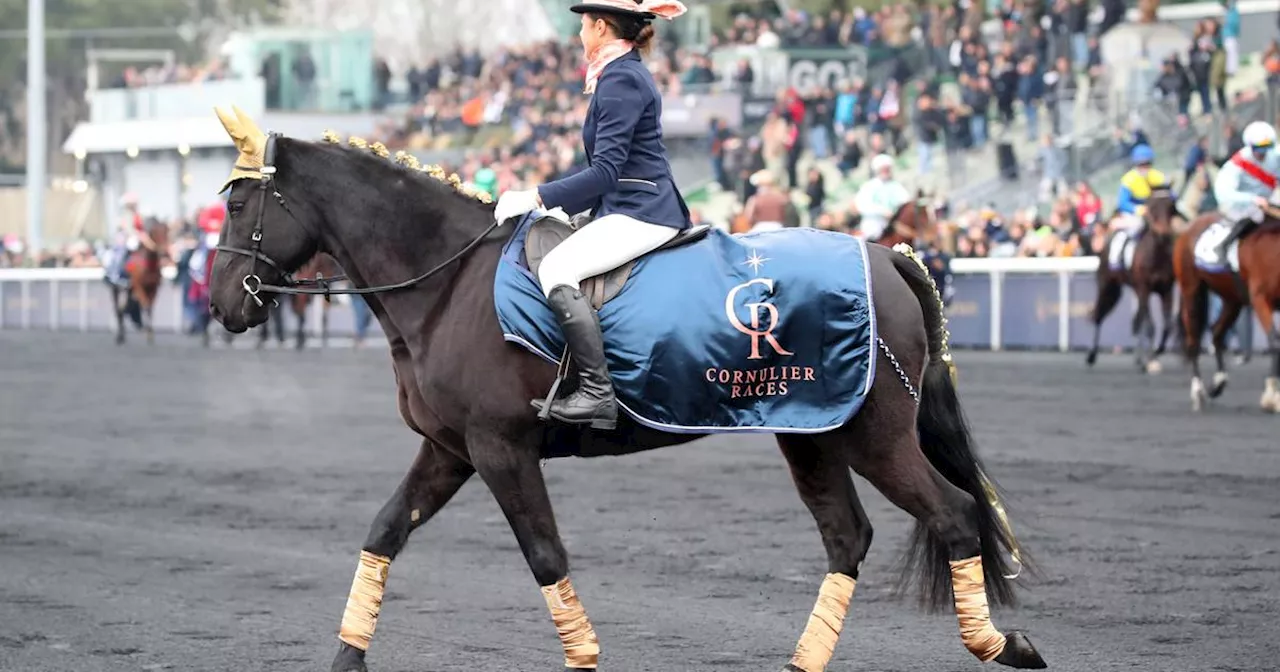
pixel 1245 183
pixel 129 235
pixel 628 186
pixel 1135 187
pixel 879 198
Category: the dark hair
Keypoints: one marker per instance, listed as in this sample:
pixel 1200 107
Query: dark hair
pixel 631 28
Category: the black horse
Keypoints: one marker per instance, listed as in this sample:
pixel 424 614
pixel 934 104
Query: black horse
pixel 467 393
pixel 1151 272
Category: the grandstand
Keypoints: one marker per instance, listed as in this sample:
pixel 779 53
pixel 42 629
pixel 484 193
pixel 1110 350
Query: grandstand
pixel 498 89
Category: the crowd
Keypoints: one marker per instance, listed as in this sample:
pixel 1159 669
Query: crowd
pixel 515 114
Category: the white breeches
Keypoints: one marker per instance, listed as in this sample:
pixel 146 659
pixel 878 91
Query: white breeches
pixel 1242 211
pixel 1126 222
pixel 604 245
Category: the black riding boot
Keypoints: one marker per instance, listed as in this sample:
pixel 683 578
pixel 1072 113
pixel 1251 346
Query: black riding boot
pixel 593 402
pixel 1238 227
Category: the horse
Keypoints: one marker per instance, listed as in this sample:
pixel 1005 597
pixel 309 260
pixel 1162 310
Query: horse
pixel 1257 285
pixel 143 268
pixel 1151 272
pixel 466 392
pixel 913 221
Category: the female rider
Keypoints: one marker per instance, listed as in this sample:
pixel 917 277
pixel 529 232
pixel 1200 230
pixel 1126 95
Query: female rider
pixel 628 187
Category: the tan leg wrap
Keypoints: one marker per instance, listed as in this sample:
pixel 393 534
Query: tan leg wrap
pixel 365 600
pixel 976 631
pixel 818 642
pixel 581 648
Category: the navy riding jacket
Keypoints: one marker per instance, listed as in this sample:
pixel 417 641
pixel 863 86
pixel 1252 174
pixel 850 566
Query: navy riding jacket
pixel 628 172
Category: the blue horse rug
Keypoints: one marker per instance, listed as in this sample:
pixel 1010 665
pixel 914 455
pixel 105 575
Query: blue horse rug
pixel 766 332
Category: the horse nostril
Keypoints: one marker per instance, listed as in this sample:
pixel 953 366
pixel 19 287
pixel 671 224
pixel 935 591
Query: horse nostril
pixel 215 313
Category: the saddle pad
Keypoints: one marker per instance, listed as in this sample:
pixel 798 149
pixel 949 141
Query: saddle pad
pixel 766 332
pixel 1206 252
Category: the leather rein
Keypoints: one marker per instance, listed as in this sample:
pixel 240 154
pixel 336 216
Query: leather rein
pixel 318 285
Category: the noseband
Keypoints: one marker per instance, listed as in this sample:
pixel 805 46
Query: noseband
pixel 318 285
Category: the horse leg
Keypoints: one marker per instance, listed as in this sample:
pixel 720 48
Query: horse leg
pixel 958 535
pixel 1166 324
pixel 1263 306
pixel 1194 312
pixel 821 475
pixel 1109 292
pixel 120 299
pixel 324 324
pixel 147 324
pixel 433 479
pixel 1140 326
pixel 511 471
pixel 1227 318
pixel 300 338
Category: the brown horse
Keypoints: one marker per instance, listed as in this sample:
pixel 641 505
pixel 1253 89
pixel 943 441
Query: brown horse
pixel 1258 285
pixel 912 222
pixel 1151 272
pixel 143 267
pixel 320 266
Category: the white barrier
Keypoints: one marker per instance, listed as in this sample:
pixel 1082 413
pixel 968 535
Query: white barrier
pixel 1022 303
pixel 1064 268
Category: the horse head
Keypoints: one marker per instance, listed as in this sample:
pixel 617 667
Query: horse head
pixel 915 218
pixel 290 199
pixel 1161 210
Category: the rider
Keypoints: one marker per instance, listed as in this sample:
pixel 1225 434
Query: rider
pixel 628 187
pixel 1245 182
pixel 1135 187
pixel 879 198
pixel 129 235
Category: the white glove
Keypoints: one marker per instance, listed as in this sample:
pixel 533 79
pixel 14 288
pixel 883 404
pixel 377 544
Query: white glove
pixel 515 203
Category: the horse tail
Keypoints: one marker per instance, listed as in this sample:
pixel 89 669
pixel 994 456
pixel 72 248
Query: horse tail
pixel 948 444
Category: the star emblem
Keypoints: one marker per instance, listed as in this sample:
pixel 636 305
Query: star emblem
pixel 755 261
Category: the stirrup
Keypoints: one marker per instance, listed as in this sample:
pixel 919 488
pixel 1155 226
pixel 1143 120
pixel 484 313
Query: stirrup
pixel 544 405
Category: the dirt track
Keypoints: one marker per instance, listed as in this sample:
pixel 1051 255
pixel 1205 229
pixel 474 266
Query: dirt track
pixel 182 509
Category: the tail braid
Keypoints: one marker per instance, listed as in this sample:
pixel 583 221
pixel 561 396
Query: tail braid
pixel 939 336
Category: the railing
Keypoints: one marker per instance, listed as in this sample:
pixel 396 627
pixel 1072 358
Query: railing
pixel 77 299
pixel 176 101
pixel 999 304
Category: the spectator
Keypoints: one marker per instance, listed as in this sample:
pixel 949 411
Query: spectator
pixel 816 190
pixel 1197 156
pixel 767 210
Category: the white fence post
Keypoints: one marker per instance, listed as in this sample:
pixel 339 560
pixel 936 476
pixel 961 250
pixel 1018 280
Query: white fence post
pixel 1064 310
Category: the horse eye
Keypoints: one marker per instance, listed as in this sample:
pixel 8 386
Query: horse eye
pixel 234 208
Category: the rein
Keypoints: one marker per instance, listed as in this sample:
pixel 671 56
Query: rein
pixel 319 285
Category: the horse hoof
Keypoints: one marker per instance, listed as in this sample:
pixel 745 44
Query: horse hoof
pixel 1018 652
pixel 1154 367
pixel 1270 403
pixel 349 659
pixel 1197 395
pixel 1092 358
pixel 1219 384
pixel 791 668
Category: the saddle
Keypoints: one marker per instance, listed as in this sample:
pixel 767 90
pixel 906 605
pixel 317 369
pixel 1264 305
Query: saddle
pixel 548 232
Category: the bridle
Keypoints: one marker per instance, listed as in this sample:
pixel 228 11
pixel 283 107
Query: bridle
pixel 318 285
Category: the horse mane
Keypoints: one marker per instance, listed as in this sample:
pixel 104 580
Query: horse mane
pixel 377 162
